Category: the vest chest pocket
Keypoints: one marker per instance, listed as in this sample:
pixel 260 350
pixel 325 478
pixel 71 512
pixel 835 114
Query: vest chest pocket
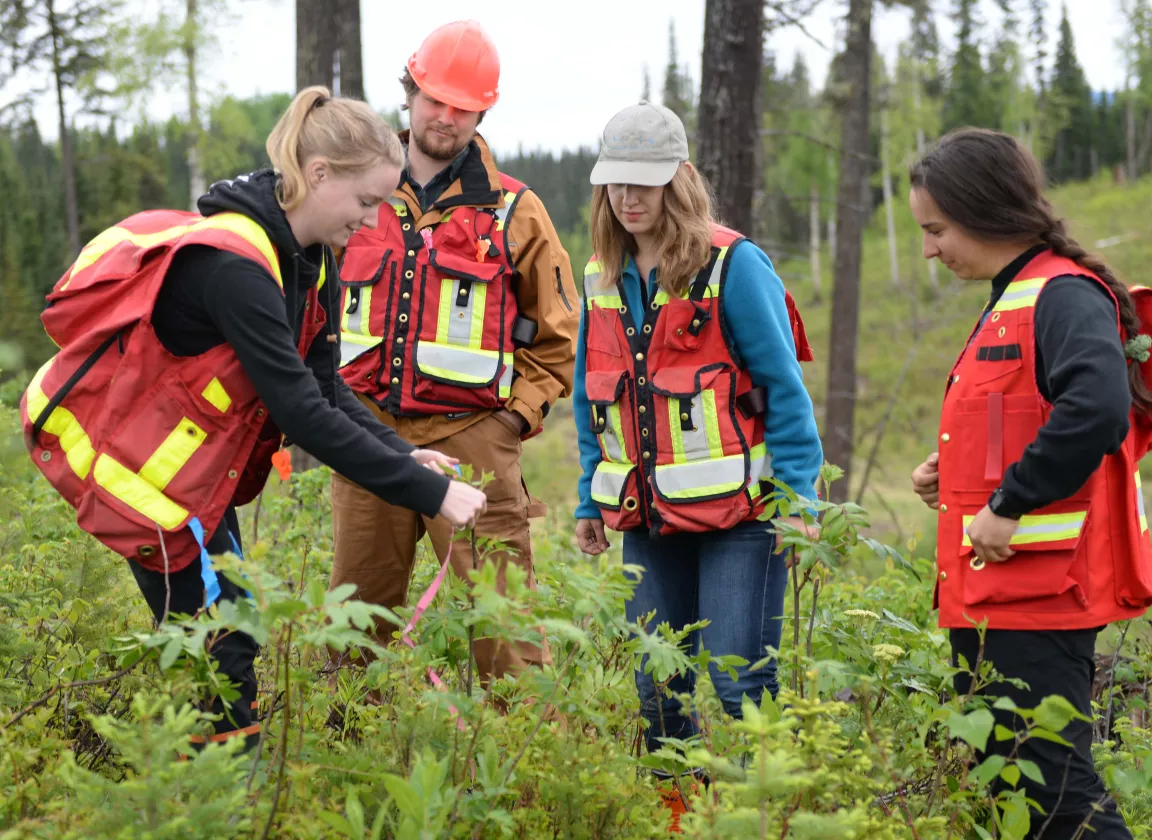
pixel 361 270
pixel 685 324
pixel 461 331
pixel 693 421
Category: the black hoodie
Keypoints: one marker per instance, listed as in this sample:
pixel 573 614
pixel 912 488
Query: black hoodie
pixel 211 297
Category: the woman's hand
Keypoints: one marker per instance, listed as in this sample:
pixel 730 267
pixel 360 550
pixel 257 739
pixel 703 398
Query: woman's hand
pixel 926 481
pixel 435 461
pixel 990 535
pixel 590 536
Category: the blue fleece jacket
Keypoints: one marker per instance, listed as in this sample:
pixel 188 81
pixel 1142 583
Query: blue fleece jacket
pixel 757 318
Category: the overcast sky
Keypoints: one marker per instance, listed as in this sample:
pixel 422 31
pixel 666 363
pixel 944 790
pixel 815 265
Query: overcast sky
pixel 566 68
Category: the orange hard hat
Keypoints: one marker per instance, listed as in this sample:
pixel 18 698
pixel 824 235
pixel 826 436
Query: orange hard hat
pixel 458 65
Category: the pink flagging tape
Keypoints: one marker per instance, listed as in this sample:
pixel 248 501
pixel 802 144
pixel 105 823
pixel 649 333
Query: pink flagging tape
pixel 421 607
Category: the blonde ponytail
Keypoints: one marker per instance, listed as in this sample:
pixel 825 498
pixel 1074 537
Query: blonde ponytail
pixel 346 132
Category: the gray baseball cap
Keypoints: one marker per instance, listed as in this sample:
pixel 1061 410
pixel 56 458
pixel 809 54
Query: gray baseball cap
pixel 643 145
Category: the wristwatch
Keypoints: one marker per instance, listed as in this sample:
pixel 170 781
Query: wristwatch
pixel 998 504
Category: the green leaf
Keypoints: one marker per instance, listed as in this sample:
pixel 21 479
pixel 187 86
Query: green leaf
pixel 1045 735
pixel 355 812
pixel 984 835
pixel 972 728
pixel 988 769
pixel 171 652
pixel 1006 703
pixel 404 795
pixel 339 823
pixel 1029 769
pixel 1003 733
pixel 1010 774
pixel 1055 712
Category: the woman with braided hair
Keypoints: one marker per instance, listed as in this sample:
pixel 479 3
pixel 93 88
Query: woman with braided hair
pixel 1041 535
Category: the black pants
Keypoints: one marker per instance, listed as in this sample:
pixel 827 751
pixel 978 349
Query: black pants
pixel 1050 662
pixel 235 654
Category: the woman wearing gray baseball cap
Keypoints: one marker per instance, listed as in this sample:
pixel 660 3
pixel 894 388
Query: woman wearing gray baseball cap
pixel 689 400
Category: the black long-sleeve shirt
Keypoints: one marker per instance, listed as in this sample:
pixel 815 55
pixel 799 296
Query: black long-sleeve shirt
pixel 210 297
pixel 1081 370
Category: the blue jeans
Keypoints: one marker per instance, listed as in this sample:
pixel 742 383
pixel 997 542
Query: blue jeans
pixel 732 578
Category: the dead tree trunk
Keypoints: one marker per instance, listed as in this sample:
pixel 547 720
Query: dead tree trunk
pixel 68 162
pixel 328 46
pixel 728 128
pixel 814 239
pixel 839 421
pixel 196 185
pixel 889 210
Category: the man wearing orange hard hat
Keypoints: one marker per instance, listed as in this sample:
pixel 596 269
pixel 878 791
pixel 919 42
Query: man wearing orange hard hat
pixel 458 330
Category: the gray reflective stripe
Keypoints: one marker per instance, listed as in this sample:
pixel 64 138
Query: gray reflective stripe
pixel 506 378
pixel 1026 289
pixel 613 446
pixel 761 464
pixel 696 438
pixel 608 482
pixel 717 270
pixel 592 285
pixel 1140 510
pixel 352 345
pixel 1054 528
pixel 353 323
pixel 460 325
pixel 701 478
pixel 458 364
pixel 502 212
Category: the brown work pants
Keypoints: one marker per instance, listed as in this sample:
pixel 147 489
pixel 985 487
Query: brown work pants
pixel 375 542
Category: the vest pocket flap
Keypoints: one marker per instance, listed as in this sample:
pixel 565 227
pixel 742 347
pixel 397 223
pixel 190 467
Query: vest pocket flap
pixel 363 265
pixel 684 381
pixel 1026 577
pixel 455 365
pixel 610 486
pixel 604 387
pixel 454 265
pixel 1049 562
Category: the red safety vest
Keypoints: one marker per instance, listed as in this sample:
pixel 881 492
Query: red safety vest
pixel 429 309
pixel 679 421
pixel 1080 562
pixel 140 441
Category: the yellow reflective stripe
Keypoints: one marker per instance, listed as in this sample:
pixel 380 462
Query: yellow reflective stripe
pixel 605 301
pixel 1140 508
pixel 593 267
pixel 661 298
pixel 502 214
pixel 617 424
pixel 1043 528
pixel 62 423
pixel 138 494
pixel 323 274
pixel 399 206
pixel 678 454
pixel 444 316
pixel 171 456
pixel 236 223
pixel 1022 294
pixel 215 393
pixel 479 299
pixel 712 424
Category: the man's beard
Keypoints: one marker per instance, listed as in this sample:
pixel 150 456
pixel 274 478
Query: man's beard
pixel 441 153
